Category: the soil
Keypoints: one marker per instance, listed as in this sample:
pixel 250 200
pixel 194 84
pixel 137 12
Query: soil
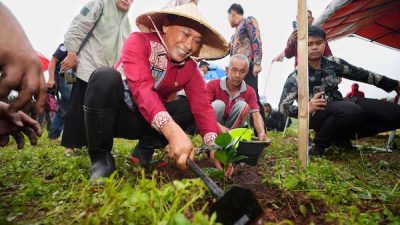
pixel 278 204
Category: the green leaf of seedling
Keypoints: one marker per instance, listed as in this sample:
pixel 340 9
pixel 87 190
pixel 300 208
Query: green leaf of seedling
pixel 237 159
pixel 221 156
pixel 231 153
pixel 223 140
pixel 178 219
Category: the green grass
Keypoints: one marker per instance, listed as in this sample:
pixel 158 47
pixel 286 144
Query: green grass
pixel 39 185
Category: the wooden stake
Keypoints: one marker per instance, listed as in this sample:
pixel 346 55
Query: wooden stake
pixel 303 97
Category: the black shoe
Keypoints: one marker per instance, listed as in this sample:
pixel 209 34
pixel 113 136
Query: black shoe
pixel 144 156
pixel 345 144
pixel 144 150
pixel 314 150
pixel 99 125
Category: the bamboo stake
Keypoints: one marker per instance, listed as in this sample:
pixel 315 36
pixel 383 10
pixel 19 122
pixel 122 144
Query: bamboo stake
pixel 302 52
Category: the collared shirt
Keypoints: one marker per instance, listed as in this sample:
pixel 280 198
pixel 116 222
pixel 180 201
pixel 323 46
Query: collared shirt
pixel 326 78
pixel 217 89
pixel 247 40
pixel 152 77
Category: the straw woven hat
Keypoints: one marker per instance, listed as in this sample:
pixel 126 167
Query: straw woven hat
pixel 214 44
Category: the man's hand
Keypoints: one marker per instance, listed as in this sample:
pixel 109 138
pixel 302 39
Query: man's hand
pixel 180 147
pixel 20 66
pixel 218 165
pixel 293 38
pixel 13 123
pixel 316 103
pixel 69 62
pixel 223 129
pixel 256 69
pixel 263 137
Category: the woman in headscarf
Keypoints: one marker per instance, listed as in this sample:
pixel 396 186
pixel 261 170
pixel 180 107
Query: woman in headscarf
pixel 109 18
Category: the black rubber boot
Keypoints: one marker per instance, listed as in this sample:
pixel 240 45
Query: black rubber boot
pixel 345 144
pixel 99 125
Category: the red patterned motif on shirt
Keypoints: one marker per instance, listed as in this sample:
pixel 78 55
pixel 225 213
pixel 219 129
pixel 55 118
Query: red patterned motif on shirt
pixel 158 59
pixel 160 119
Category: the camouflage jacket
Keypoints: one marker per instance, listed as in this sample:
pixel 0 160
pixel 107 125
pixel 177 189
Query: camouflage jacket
pixel 326 79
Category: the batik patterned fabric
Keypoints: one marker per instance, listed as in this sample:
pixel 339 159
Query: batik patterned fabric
pixel 158 62
pixel 160 119
pixel 326 79
pixel 247 40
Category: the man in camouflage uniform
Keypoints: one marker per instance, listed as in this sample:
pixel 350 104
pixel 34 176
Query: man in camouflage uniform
pixel 331 116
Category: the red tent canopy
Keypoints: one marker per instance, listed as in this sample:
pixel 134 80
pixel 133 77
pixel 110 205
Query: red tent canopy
pixel 375 20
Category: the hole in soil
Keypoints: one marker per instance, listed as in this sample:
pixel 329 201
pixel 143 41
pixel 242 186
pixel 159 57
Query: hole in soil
pixel 278 204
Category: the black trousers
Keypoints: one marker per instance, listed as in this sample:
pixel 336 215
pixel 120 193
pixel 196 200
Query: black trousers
pixel 361 117
pixel 105 91
pixel 251 80
pixel 74 135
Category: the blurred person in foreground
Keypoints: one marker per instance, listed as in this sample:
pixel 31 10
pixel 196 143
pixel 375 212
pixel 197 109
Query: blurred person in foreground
pixel 20 70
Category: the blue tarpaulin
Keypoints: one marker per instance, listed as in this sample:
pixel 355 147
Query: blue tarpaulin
pixel 214 72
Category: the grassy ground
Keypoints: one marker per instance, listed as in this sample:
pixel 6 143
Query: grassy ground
pixel 39 185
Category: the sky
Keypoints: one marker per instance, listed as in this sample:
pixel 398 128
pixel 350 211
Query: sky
pixel 46 21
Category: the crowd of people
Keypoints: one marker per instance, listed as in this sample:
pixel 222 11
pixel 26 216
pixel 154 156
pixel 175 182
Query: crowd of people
pixel 114 83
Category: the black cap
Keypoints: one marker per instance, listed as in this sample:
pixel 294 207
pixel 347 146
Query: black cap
pixel 203 63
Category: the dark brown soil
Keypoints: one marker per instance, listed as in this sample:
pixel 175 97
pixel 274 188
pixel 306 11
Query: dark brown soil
pixel 390 157
pixel 278 204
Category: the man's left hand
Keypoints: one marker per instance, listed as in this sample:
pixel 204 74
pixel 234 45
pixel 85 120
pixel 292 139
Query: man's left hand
pixel 256 70
pixel 218 165
pixel 263 137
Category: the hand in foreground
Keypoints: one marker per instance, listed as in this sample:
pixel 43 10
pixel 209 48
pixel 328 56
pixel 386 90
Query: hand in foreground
pixel 16 123
pixel 20 66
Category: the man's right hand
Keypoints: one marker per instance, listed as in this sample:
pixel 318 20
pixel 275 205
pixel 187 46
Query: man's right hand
pixel 180 147
pixel 317 103
pixel 69 62
pixel 293 38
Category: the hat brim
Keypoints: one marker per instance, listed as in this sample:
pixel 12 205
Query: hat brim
pixel 214 46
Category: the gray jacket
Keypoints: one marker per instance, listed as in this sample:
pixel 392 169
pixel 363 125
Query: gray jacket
pixel 92 55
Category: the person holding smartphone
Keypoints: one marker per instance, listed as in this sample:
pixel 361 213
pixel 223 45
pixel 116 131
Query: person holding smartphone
pixel 331 116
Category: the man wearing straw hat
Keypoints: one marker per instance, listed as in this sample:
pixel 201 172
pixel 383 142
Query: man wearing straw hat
pixel 130 101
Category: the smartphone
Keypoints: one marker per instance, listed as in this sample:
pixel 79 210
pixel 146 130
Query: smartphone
pixel 70 76
pixel 318 89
